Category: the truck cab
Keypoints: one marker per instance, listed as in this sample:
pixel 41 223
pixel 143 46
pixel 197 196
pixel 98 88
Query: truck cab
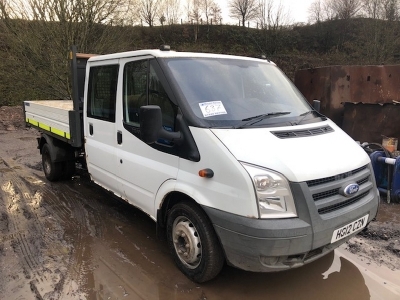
pixel 226 156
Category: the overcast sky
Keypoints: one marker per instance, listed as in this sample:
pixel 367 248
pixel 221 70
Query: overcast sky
pixel 298 9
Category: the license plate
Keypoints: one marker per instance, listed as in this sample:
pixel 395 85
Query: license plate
pixel 348 229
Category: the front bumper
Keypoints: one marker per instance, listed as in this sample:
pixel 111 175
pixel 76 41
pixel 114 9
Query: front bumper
pixel 267 245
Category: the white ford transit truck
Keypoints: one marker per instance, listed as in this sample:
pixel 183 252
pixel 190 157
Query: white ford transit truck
pixel 222 152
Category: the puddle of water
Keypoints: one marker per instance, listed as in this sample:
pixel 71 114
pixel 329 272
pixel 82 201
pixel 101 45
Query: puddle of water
pixel 140 267
pixel 382 282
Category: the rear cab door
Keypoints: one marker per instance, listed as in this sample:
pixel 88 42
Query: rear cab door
pixel 100 123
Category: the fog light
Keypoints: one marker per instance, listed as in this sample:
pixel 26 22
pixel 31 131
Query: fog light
pixel 269 260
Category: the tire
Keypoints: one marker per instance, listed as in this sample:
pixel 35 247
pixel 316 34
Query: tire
pixel 193 242
pixel 52 170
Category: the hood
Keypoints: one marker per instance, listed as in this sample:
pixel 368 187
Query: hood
pixel 298 158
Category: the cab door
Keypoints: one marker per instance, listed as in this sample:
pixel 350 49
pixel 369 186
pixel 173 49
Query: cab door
pixel 100 124
pixel 143 168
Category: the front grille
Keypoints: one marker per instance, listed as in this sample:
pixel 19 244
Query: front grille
pixel 315 182
pixel 326 191
pixel 325 194
pixel 302 133
pixel 362 181
pixel 334 192
pixel 342 204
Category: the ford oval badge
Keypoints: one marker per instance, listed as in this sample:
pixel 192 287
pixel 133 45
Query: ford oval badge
pixel 351 189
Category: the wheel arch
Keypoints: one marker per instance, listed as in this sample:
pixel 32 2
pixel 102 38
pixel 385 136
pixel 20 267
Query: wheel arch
pixel 59 151
pixel 168 201
pixel 172 198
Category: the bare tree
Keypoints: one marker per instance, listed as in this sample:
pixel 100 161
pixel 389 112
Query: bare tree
pixel 391 9
pixel 188 10
pixel 381 9
pixel 372 8
pixel 277 16
pixel 171 10
pixel 42 32
pixel 207 8
pixel 315 12
pixel 148 11
pixel 328 10
pixel 3 6
pixel 216 13
pixel 197 11
pixel 244 10
pixel 131 14
pixel 264 6
pixel 274 18
pixel 346 9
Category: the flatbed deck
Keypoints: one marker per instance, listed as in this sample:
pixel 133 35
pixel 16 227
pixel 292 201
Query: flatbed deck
pixel 49 115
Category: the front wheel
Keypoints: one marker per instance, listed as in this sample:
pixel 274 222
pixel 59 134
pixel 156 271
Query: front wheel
pixel 193 242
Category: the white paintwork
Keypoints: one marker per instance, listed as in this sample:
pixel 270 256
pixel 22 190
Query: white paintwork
pixel 100 147
pixel 143 169
pixel 298 159
pixel 158 53
pixel 230 189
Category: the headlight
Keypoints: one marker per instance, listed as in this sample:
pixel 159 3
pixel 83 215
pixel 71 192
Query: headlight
pixel 274 198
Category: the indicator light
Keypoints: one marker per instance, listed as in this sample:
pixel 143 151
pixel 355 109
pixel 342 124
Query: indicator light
pixel 206 173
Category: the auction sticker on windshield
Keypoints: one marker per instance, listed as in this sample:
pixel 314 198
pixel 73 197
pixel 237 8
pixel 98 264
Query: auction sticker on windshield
pixel 212 108
pixel 350 228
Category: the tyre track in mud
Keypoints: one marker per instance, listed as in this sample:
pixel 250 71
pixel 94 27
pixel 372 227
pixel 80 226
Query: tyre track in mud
pixel 17 195
pixel 70 220
pixel 61 209
pixel 77 232
pixel 34 239
pixel 28 234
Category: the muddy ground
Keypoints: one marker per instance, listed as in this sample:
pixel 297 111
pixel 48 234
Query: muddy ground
pixel 72 240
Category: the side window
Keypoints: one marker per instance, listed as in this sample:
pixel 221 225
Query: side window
pixel 158 96
pixel 102 92
pixel 135 90
pixel 142 86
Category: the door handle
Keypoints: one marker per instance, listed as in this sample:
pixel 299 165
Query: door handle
pixel 119 137
pixel 90 128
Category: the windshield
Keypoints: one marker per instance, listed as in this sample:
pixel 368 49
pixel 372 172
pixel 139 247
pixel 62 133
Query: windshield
pixel 238 93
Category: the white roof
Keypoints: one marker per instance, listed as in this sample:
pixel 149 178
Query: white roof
pixel 169 53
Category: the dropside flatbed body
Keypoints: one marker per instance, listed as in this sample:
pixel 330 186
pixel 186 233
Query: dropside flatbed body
pixel 50 116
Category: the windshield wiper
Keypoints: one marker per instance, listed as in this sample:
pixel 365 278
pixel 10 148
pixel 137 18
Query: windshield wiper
pixel 253 120
pixel 304 115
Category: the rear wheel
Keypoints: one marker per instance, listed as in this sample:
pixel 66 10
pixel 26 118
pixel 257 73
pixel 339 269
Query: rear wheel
pixel 52 170
pixel 193 242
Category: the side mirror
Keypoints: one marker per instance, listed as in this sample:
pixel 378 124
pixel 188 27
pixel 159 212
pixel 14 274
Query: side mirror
pixel 151 128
